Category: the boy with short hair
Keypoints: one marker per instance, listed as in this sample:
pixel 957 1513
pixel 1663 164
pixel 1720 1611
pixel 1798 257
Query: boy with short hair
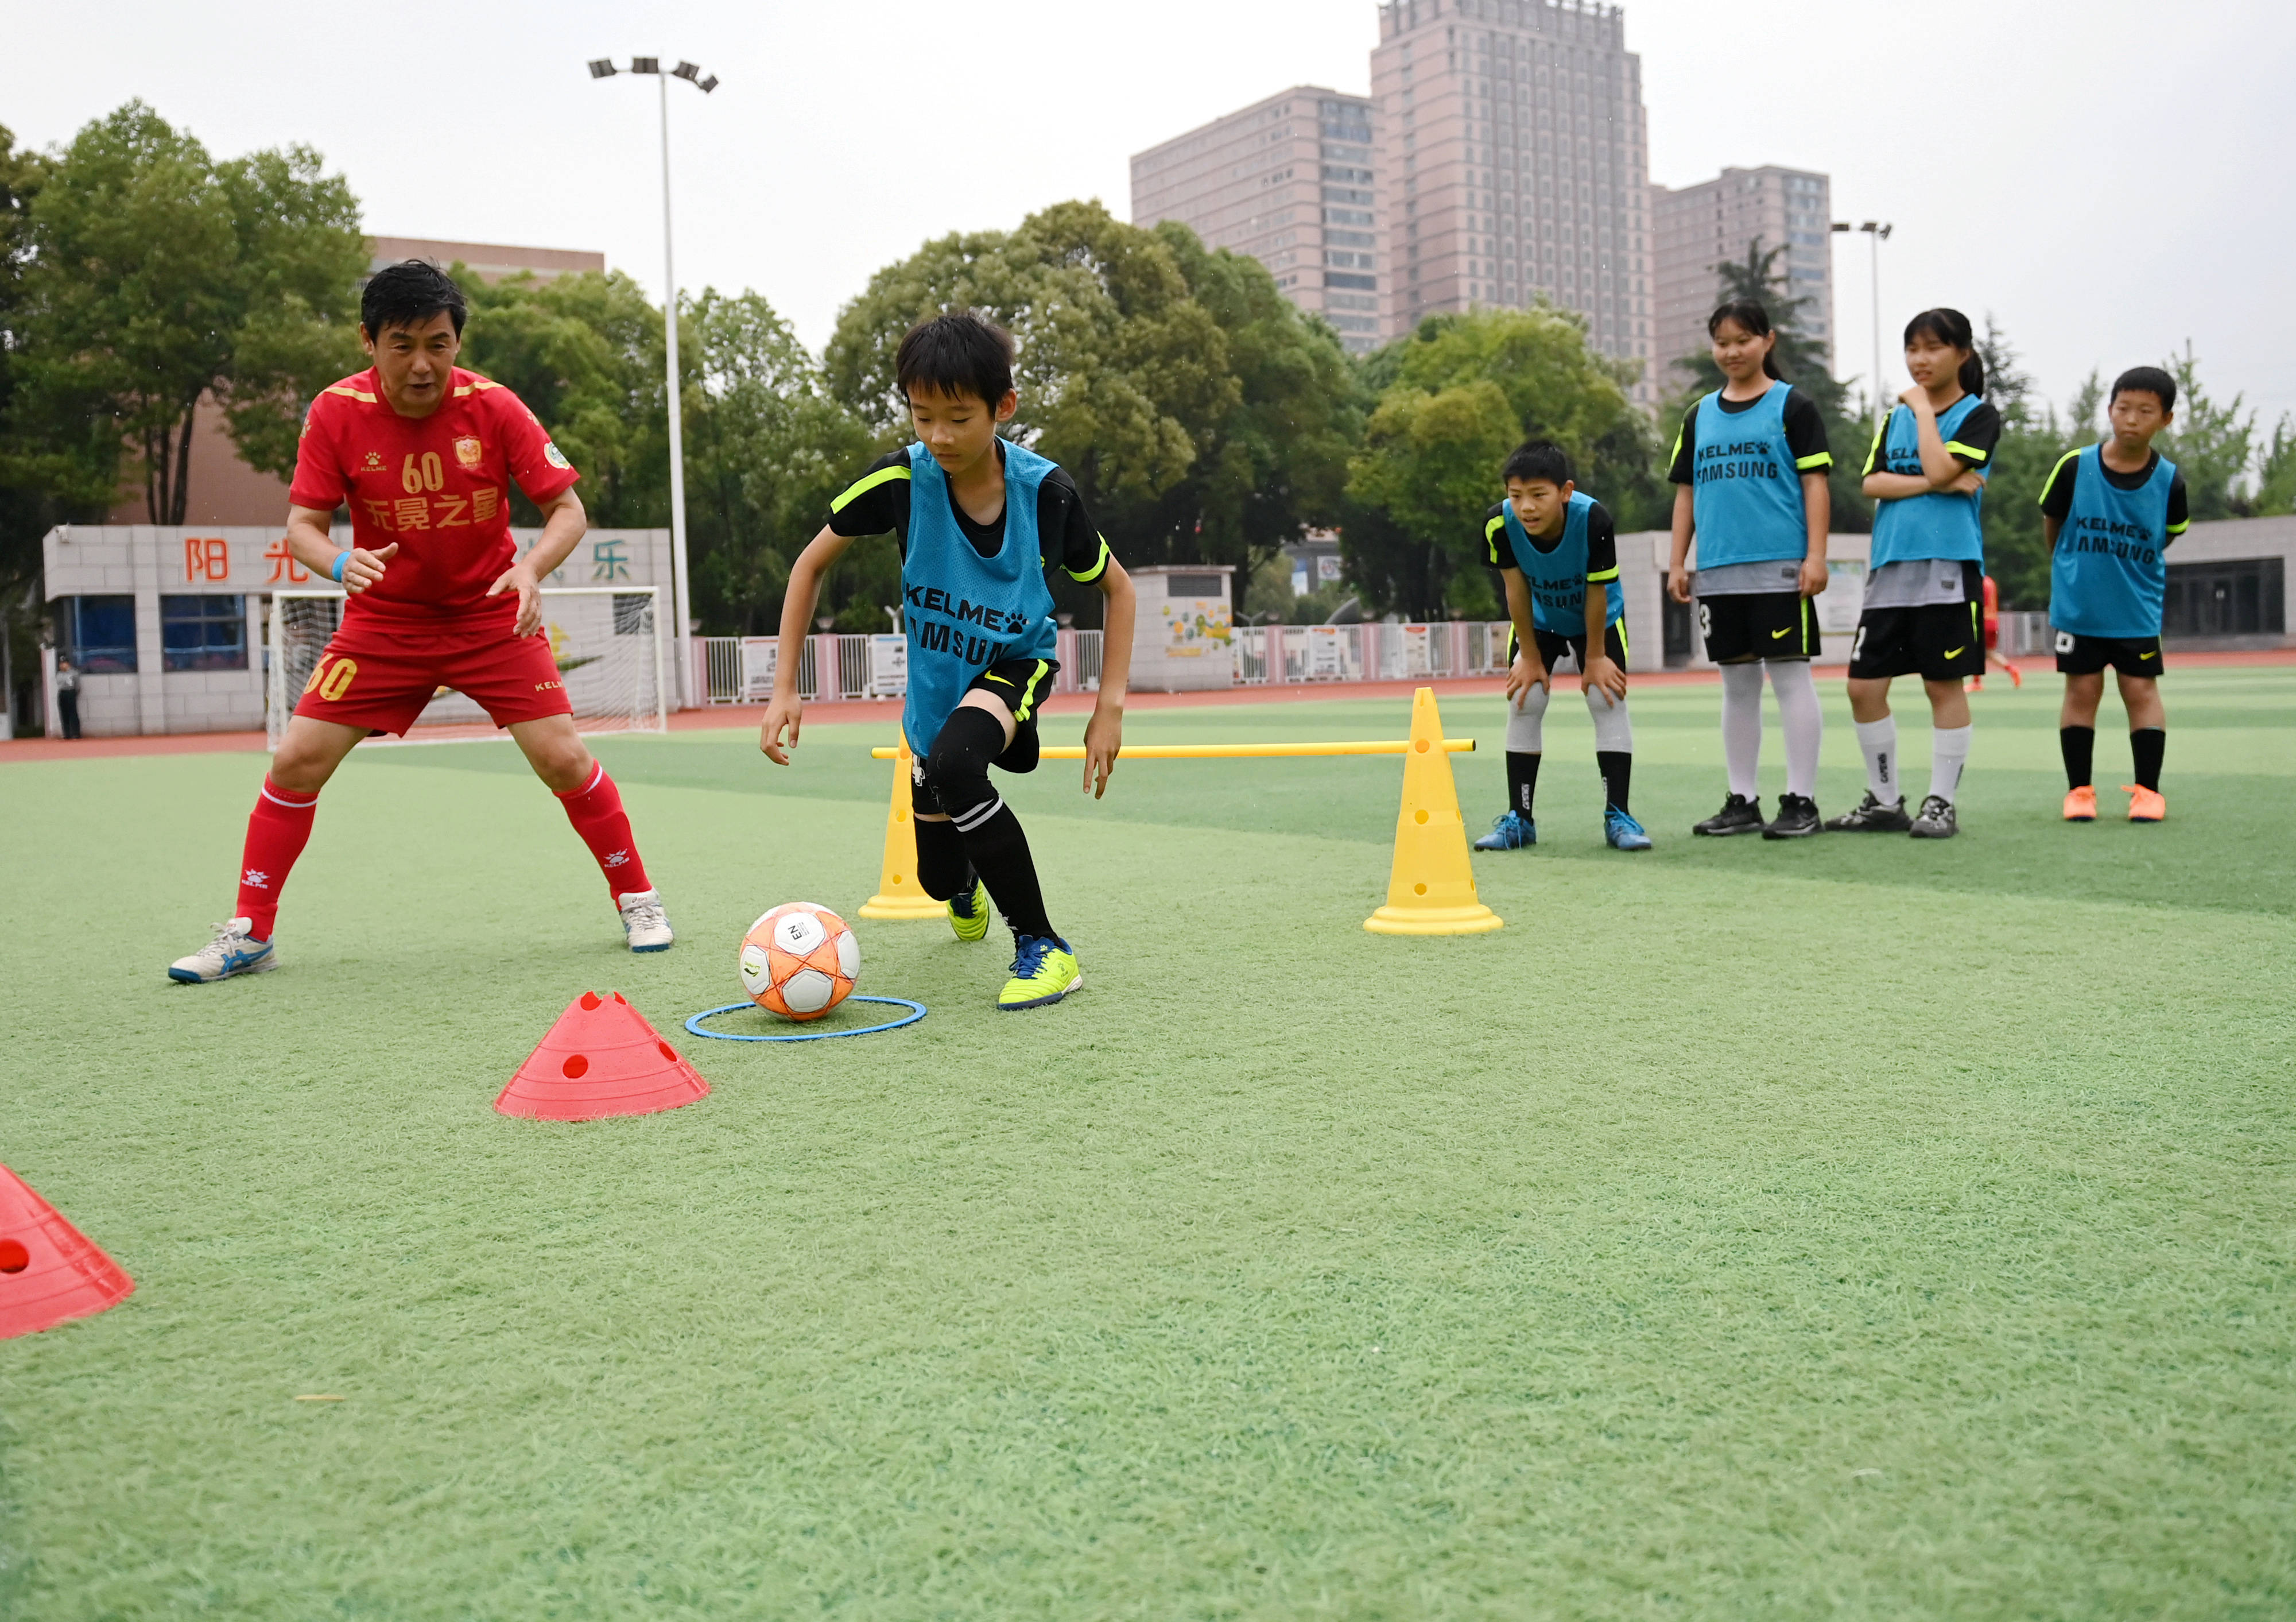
pixel 1557 551
pixel 978 519
pixel 2109 512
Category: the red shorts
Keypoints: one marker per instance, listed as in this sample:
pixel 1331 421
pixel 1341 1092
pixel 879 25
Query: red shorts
pixel 379 673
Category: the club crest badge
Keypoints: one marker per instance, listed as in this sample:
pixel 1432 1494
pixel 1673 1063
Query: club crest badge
pixel 554 456
pixel 468 451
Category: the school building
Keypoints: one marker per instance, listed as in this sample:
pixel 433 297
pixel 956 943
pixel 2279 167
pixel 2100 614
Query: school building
pixel 169 626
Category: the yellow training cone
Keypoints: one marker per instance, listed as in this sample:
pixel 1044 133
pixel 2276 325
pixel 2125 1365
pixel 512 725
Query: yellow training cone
pixel 1431 889
pixel 898 893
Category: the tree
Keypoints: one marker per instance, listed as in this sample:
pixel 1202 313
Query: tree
pixel 161 278
pixel 2276 471
pixel 1467 388
pixel 2032 439
pixel 1203 417
pixel 2211 442
pixel 1802 361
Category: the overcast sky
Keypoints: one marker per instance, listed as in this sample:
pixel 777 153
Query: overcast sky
pixel 2108 178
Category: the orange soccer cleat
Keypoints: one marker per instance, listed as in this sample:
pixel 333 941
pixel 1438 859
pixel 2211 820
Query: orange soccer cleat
pixel 2080 804
pixel 2146 805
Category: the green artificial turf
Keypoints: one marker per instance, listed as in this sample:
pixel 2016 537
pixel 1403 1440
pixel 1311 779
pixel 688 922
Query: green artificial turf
pixel 1841 1228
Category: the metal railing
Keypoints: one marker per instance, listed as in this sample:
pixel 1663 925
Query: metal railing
pixel 740 670
pixel 1269 655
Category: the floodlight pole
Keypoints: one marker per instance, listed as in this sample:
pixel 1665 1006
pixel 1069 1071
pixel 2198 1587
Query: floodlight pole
pixel 1876 233
pixel 682 593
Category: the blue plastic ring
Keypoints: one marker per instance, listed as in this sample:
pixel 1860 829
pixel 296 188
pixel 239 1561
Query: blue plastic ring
pixel 916 1012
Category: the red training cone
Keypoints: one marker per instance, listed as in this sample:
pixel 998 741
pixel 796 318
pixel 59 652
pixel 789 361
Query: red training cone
pixel 49 1270
pixel 601 1058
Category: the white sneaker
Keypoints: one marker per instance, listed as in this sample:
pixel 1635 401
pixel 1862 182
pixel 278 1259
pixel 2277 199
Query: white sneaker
pixel 235 950
pixel 644 922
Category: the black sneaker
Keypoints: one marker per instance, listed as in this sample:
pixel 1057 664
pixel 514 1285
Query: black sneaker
pixel 1872 817
pixel 1738 815
pixel 1796 818
pixel 1937 820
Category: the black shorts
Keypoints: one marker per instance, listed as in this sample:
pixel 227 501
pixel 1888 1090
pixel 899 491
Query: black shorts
pixel 1758 625
pixel 2079 655
pixel 1552 646
pixel 1938 641
pixel 1022 685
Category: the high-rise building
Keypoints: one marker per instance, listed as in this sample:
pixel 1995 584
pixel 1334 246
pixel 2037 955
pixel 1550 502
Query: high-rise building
pixel 1695 229
pixel 1290 181
pixel 1512 164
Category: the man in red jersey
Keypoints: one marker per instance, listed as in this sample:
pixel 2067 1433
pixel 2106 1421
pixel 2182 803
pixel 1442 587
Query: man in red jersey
pixel 423 452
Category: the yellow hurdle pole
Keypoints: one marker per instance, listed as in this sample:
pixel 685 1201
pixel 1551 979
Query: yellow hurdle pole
pixel 1234 751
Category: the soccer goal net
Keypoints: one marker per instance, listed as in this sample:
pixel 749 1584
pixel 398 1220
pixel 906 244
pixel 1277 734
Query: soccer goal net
pixel 608 641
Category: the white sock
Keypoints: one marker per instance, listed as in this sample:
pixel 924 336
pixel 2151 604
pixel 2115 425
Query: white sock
pixel 1804 720
pixel 1526 723
pixel 1613 729
pixel 1949 754
pixel 1742 727
pixel 1878 739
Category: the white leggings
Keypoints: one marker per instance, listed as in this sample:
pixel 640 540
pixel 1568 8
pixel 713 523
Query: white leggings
pixel 1527 721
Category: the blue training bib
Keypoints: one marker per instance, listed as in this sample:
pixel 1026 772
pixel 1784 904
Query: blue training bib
pixel 1558 579
pixel 1940 523
pixel 1745 490
pixel 963 612
pixel 2108 575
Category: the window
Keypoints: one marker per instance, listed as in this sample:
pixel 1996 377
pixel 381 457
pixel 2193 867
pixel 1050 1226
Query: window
pixel 203 633
pixel 99 634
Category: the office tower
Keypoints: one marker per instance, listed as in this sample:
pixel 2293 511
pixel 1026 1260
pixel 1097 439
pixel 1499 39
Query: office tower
pixel 1290 181
pixel 1696 229
pixel 1512 164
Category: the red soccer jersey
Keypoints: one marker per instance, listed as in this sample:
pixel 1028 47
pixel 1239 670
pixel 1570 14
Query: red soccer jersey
pixel 438 485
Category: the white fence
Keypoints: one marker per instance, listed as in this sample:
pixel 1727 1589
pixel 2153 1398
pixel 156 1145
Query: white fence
pixel 1276 656
pixel 740 670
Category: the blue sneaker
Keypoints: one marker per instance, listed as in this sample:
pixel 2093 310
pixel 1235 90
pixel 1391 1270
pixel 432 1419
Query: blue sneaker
pixel 234 950
pixel 1623 832
pixel 1511 832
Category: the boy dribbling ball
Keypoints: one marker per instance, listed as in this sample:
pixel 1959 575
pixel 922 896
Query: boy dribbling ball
pixel 2109 512
pixel 978 519
pixel 1557 550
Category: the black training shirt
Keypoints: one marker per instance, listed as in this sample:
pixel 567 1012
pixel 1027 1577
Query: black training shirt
pixel 1805 432
pixel 874 505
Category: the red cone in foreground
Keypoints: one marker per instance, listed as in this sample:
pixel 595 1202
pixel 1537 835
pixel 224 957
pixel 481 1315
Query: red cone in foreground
pixel 601 1058
pixel 49 1270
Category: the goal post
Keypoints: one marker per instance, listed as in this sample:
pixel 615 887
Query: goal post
pixel 608 641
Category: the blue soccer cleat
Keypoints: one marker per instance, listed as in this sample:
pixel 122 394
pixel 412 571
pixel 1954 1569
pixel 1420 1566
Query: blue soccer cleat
pixel 1622 832
pixel 1510 832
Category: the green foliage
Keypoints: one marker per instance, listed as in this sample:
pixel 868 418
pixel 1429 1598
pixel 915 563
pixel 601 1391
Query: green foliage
pixel 1802 361
pixel 2211 442
pixel 2276 481
pixel 1466 390
pixel 2032 440
pixel 160 278
pixel 1203 417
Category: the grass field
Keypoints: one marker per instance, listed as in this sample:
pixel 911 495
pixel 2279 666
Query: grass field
pixel 1846 1227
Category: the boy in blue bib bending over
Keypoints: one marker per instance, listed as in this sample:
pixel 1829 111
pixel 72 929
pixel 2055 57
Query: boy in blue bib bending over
pixel 978 519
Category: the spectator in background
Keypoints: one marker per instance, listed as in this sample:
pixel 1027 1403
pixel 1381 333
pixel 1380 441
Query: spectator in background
pixel 68 697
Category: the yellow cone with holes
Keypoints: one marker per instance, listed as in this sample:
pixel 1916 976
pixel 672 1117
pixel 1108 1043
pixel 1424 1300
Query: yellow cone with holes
pixel 898 893
pixel 1431 887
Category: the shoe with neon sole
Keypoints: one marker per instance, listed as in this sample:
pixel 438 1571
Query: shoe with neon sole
pixel 1044 971
pixel 967 914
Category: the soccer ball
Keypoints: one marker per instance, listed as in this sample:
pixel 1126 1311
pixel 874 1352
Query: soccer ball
pixel 800 960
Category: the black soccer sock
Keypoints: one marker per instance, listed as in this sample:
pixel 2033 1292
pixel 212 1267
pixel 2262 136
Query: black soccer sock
pixel 942 869
pixel 2078 745
pixel 958 771
pixel 1618 773
pixel 1522 779
pixel 2147 744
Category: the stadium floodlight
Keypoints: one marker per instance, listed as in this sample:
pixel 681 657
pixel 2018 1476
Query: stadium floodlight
pixel 1875 231
pixel 682 607
pixel 603 67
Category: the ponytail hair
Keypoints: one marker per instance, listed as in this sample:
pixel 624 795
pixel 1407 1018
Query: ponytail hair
pixel 1951 327
pixel 1749 313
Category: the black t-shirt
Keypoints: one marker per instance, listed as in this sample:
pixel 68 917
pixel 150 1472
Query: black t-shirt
pixel 1971 445
pixel 2057 495
pixel 1602 541
pixel 878 501
pixel 1805 432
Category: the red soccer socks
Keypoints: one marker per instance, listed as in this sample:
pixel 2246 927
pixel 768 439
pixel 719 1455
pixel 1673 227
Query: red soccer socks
pixel 595 811
pixel 277 830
